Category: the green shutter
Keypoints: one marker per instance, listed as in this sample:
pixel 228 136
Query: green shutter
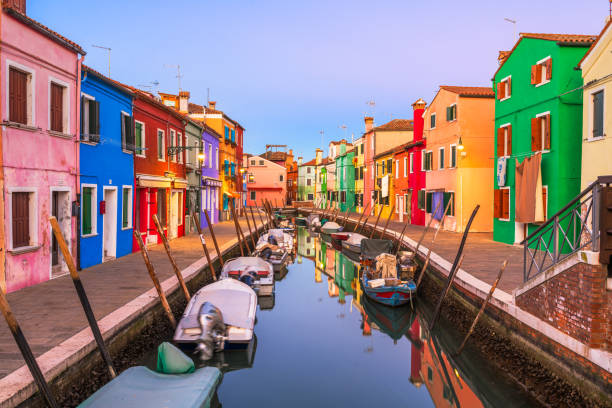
pixel 428 202
pixel 125 207
pixel 138 131
pixel 421 199
pixel 86 200
pixel 448 113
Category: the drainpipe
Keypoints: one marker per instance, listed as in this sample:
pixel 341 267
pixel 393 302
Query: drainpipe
pixel 2 230
pixel 77 178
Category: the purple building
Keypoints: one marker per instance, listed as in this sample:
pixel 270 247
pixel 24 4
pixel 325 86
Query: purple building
pixel 211 184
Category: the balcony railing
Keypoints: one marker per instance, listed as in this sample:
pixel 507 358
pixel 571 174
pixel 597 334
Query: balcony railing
pixel 573 228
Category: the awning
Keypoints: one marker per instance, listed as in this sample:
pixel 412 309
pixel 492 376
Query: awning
pixel 180 183
pixel 153 181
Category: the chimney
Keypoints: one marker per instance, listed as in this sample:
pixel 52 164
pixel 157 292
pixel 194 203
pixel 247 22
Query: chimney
pixel 318 156
pixel 369 123
pixel 300 161
pixel 184 101
pixel 418 121
pixel 212 105
pixel 17 5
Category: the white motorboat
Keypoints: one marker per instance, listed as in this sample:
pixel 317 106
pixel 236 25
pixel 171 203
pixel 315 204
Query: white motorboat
pixel 353 242
pixel 219 316
pixel 275 246
pixel 330 227
pixel 252 270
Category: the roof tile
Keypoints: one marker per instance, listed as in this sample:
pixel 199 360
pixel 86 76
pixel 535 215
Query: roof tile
pixel 470 91
pixel 396 124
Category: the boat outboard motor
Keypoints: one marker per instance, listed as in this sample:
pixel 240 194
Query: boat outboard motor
pixel 213 330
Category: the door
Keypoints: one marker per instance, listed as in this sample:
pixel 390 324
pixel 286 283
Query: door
pixel 174 214
pixel 400 207
pixel 408 206
pixel 61 210
pixel 54 246
pixel 109 240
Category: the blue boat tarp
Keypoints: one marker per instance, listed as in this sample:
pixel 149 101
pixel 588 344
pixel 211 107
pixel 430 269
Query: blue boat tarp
pixel 141 387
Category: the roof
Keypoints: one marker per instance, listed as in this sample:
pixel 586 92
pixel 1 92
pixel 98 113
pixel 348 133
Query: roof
pixel 561 39
pixel 309 163
pixel 274 156
pixel 148 97
pixel 595 43
pixel 195 108
pixel 405 146
pixel 396 124
pixel 343 141
pixel 60 39
pixel 205 127
pixel 470 91
pixel 107 79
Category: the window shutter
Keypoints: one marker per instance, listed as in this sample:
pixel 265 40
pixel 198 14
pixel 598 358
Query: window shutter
pixel 506 203
pixel 83 130
pixel 509 87
pixel 428 202
pixel 56 114
pixel 500 142
pixel 502 90
pixel 534 74
pixel 123 135
pixel 454 111
pixel 95 129
pixel 448 113
pixel 125 208
pixel 538 73
pixel 536 135
pixel 548 68
pixel 598 114
pixel 21 219
pixel 545 202
pixel 498 86
pixel 547 132
pixel 509 139
pixel 18 100
pixel 86 208
pixel 497 197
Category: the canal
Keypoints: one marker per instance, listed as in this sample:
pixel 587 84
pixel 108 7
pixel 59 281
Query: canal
pixel 320 342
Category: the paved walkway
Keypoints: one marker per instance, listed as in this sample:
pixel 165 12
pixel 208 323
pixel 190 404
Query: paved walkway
pixel 483 257
pixel 50 312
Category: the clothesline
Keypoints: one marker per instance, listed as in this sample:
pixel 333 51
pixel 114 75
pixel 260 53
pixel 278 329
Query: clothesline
pixel 520 155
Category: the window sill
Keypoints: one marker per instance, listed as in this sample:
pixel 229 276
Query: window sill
pixel 95 234
pixel 595 139
pixel 126 228
pixel 89 142
pixel 60 134
pixel 21 126
pixel 24 250
pixel 141 156
pixel 542 83
pixel 161 160
pixel 505 99
pixel 503 219
pixel 127 151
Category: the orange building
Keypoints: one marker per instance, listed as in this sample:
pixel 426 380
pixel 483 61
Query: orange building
pixel 458 161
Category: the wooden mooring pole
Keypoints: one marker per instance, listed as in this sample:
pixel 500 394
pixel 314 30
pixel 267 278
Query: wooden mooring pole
pixel 236 227
pixel 254 223
pixel 246 243
pixel 78 285
pixel 151 270
pixel 382 236
pixel 433 240
pixel 454 268
pixel 26 351
pixel 261 218
pixel 213 274
pixel 175 267
pixel 345 216
pixel 482 308
pixel 246 215
pixel 360 218
pixel 214 238
pixel 416 249
pixel 377 219
pixel 359 227
pixel 399 239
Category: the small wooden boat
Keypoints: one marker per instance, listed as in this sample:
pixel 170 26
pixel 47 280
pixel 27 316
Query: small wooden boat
pixel 330 227
pixel 255 271
pixel 175 383
pixel 340 236
pixel 219 316
pixel 397 294
pixel 301 221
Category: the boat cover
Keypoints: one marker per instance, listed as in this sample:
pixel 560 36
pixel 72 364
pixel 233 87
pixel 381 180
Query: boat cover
pixel 331 226
pixel 371 248
pixel 234 306
pixel 141 387
pixel 355 238
pixel 171 360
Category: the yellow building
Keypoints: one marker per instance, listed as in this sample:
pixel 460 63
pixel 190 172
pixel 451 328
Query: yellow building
pixel 358 162
pixel 596 66
pixel 383 183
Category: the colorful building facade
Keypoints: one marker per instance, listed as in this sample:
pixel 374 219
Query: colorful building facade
pixel 211 184
pixel 40 166
pixel 596 111
pixel 359 174
pixel 106 162
pixel 266 180
pixel 459 133
pixel 345 177
pixel 384 192
pixel 306 180
pixel 538 115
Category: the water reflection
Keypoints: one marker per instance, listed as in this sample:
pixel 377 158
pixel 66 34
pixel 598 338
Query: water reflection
pixel 322 342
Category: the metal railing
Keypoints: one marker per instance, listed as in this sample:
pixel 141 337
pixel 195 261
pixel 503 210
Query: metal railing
pixel 571 229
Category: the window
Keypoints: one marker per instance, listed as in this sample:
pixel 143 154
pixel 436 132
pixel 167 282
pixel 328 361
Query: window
pixel 504 88
pixel 281 177
pixel 504 140
pixel 23 223
pixel 19 98
pixel 161 206
pixel 451 112
pixel 173 144
pixel 308 169
pixel 161 145
pixel 432 121
pixel 89 209
pixel 139 139
pixel 406 204
pixel 412 162
pixel 540 132
pixel 90 119
pixel 441 158
pixel 252 162
pixel 226 133
pixel 372 144
pixel 210 158
pixel 598 114
pixel 310 197
pixel 56 107
pixel 233 136
pixel 217 158
pixel 126 219
pixel 397 169
pixel 361 148
pixel 501 204
pixel 361 173
pixel 405 166
pixel 541 72
pixel 389 165
pixel 421 199
pixel 179 143
pixel 251 178
pixel 181 210
pixel 343 196
pixel 429 374
pixel 453 156
pixel 449 197
pixel 428 160
pixel 423 159
pixel 127 133
pixel 253 196
pixel 261 162
pixel 308 182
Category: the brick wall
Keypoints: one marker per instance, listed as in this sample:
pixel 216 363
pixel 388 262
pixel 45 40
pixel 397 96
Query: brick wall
pixel 576 302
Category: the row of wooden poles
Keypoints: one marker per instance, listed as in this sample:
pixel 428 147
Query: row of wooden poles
pixel 333 210
pixel 20 339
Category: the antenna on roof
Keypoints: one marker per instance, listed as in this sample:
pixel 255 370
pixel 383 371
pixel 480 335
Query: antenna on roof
pixel 109 51
pixel 207 96
pixel 322 132
pixel 372 105
pixel 343 127
pixel 514 23
pixel 178 73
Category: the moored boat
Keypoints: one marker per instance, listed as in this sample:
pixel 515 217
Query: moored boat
pixel 275 247
pixel 256 272
pixel 330 227
pixel 353 242
pixel 388 292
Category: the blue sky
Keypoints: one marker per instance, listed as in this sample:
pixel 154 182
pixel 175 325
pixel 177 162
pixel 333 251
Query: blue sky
pixel 288 69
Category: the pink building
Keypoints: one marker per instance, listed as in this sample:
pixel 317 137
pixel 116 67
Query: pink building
pixel 265 180
pixel 40 104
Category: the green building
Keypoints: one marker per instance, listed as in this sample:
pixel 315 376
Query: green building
pixel 345 178
pixel 538 109
pixel 306 181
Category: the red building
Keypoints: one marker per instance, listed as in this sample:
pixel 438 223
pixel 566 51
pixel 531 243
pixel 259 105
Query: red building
pixel 160 172
pixel 240 182
pixel 410 177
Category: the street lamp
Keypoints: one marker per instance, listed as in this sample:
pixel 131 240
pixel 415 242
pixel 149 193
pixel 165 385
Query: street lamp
pixel 460 145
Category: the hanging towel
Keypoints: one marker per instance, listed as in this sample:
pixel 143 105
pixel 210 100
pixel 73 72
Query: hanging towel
pixel 501 171
pixel 529 200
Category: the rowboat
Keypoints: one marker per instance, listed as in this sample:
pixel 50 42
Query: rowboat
pixel 219 316
pixel 393 321
pixel 389 295
pixel 175 383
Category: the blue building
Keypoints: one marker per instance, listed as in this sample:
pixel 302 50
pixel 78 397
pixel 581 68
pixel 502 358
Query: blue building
pixel 106 160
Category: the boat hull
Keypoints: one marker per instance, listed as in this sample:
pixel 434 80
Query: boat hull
pixel 392 296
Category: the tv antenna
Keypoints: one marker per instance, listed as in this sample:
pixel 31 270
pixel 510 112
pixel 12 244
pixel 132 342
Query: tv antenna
pixel 372 105
pixel 151 85
pixel 178 73
pixel 343 127
pixel 109 52
pixel 513 22
pixel 322 132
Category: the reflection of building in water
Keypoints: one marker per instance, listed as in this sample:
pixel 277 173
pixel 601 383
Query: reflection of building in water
pixel 306 243
pixel 321 254
pixel 332 289
pixel 318 275
pixel 344 275
pixel 442 380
